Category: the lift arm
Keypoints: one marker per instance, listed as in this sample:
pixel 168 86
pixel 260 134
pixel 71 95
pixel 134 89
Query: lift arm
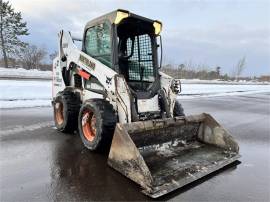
pixel 70 55
pixel 87 66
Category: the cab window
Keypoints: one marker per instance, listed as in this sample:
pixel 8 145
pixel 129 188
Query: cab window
pixel 98 43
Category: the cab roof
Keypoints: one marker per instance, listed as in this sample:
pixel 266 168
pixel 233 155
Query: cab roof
pixel 112 17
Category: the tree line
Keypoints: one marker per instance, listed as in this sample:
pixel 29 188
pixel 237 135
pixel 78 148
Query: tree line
pixel 14 51
pixel 189 70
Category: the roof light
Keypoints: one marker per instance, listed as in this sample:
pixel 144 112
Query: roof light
pixel 120 15
pixel 158 26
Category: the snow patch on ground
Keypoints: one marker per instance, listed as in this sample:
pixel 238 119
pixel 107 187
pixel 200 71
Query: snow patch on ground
pixel 26 93
pixel 209 90
pixel 24 73
pixel 25 89
pixel 217 81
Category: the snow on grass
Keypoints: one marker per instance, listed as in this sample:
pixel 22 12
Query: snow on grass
pixel 217 81
pixel 194 90
pixel 26 93
pixel 25 89
pixel 23 73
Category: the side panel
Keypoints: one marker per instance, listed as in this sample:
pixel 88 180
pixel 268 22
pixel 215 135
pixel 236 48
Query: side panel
pixel 123 100
pixel 87 94
pixel 166 82
pixel 57 80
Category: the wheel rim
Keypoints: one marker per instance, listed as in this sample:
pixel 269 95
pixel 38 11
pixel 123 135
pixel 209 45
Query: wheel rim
pixel 89 125
pixel 59 113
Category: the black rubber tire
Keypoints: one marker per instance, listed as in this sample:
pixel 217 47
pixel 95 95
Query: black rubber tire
pixel 178 110
pixel 71 106
pixel 105 124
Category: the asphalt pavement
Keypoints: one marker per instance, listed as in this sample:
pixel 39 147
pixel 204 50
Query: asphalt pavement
pixel 40 164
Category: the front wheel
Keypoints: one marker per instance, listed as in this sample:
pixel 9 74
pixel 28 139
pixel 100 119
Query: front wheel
pixel 178 109
pixel 96 124
pixel 66 108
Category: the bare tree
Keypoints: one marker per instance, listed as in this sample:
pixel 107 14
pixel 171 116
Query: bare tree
pixel 53 55
pixel 218 70
pixel 239 68
pixel 32 56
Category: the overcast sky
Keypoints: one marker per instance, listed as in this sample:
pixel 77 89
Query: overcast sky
pixel 216 33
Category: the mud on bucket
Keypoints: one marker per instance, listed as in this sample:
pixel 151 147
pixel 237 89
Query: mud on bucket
pixel 163 155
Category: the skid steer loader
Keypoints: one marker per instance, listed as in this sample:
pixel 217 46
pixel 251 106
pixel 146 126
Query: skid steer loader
pixel 112 91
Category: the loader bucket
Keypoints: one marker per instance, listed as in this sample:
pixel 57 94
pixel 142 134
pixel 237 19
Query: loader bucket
pixel 163 155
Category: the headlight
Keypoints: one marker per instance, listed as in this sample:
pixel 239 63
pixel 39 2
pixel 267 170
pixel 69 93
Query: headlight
pixel 120 15
pixel 176 86
pixel 158 26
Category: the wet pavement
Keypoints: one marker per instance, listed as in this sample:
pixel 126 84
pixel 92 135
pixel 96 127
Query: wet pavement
pixel 40 164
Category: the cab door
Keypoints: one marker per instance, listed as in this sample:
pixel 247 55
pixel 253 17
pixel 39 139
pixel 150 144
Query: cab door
pixel 97 43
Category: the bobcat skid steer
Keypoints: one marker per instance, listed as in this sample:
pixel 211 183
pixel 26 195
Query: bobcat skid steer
pixel 113 92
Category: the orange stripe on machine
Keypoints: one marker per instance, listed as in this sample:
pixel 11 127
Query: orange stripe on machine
pixel 84 74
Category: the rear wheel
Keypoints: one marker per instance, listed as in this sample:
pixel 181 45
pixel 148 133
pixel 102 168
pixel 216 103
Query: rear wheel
pixel 96 124
pixel 178 109
pixel 66 108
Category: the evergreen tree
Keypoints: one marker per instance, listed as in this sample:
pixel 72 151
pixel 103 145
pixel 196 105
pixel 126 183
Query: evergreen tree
pixel 11 28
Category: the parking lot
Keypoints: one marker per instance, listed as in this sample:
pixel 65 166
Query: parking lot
pixel 40 164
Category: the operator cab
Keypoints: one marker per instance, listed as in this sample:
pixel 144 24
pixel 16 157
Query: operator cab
pixel 137 52
pixel 126 43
